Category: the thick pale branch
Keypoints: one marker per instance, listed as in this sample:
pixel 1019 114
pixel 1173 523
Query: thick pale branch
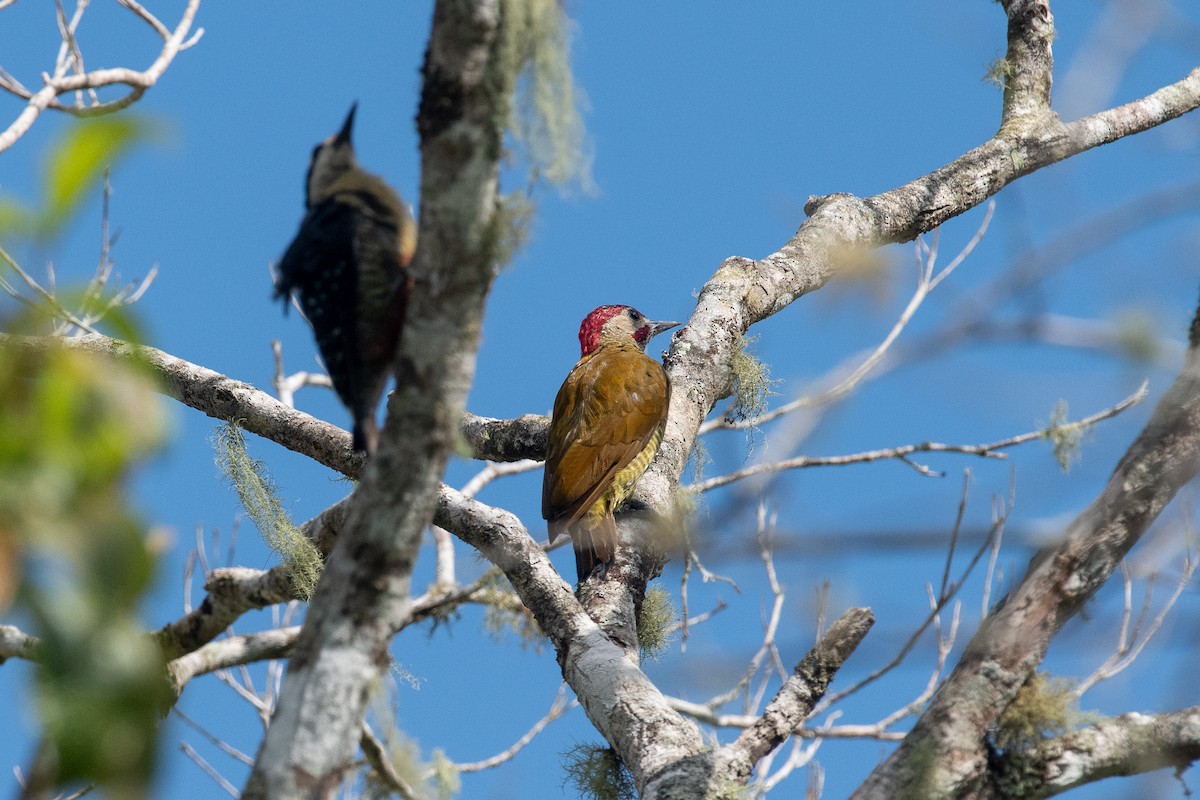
pixel 1027 68
pixel 619 699
pixel 220 397
pixel 231 652
pixel 798 695
pixel 1128 745
pixel 506 439
pixel 233 591
pixel 743 292
pixel 225 398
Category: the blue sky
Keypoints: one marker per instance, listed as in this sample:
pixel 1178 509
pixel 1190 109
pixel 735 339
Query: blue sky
pixel 710 128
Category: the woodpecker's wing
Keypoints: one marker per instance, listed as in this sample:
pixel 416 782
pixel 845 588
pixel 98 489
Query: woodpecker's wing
pixel 606 412
pixel 320 267
pixel 323 245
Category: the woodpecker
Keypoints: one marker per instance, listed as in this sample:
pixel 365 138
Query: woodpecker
pixel 348 268
pixel 606 426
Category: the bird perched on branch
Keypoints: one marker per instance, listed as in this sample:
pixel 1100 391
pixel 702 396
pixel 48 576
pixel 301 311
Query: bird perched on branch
pixel 606 426
pixel 348 268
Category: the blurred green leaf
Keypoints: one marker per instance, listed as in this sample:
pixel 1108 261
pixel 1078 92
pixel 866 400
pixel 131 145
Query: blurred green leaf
pixel 72 425
pixel 14 217
pixel 79 158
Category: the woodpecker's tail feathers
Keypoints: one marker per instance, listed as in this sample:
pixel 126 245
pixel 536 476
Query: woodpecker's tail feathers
pixel 366 435
pixel 594 546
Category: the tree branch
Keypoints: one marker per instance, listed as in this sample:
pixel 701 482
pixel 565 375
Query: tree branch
pixel 231 652
pixel 1013 639
pixel 1027 69
pixel 363 596
pixel 986 450
pixel 623 704
pixel 796 698
pixel 232 591
pixel 138 82
pixel 15 643
pixel 1131 744
pixel 225 398
pixel 743 291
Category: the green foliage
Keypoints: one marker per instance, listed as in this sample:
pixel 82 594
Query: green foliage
pixel 1044 707
pixel 1064 436
pixel 596 772
pixel 72 425
pixel 75 163
pixel 654 623
pixel 260 498
pixel 81 157
pixel 533 61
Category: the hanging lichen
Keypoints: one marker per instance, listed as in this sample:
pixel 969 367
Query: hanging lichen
pixel 259 497
pixel 543 109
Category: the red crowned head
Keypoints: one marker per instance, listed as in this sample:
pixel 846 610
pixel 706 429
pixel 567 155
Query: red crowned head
pixel 618 325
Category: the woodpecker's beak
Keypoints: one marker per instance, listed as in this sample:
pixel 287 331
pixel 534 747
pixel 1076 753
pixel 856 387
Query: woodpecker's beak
pixel 343 136
pixel 658 327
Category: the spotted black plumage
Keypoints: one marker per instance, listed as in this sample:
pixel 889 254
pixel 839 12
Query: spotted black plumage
pixel 347 266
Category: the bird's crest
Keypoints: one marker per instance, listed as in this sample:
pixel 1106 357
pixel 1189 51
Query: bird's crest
pixel 593 323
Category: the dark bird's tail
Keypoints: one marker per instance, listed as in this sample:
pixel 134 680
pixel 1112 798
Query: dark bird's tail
pixel 366 434
pixel 594 546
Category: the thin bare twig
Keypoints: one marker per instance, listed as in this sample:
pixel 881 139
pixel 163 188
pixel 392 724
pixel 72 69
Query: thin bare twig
pixel 927 281
pixel 999 515
pixel 213 739
pixel 61 83
pixel 377 756
pixel 1128 651
pixel 770 629
pixel 912 640
pixel 209 769
pixel 988 450
pixel 560 706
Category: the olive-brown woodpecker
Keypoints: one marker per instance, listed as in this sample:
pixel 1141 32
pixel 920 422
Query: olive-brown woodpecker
pixel 606 426
pixel 348 268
